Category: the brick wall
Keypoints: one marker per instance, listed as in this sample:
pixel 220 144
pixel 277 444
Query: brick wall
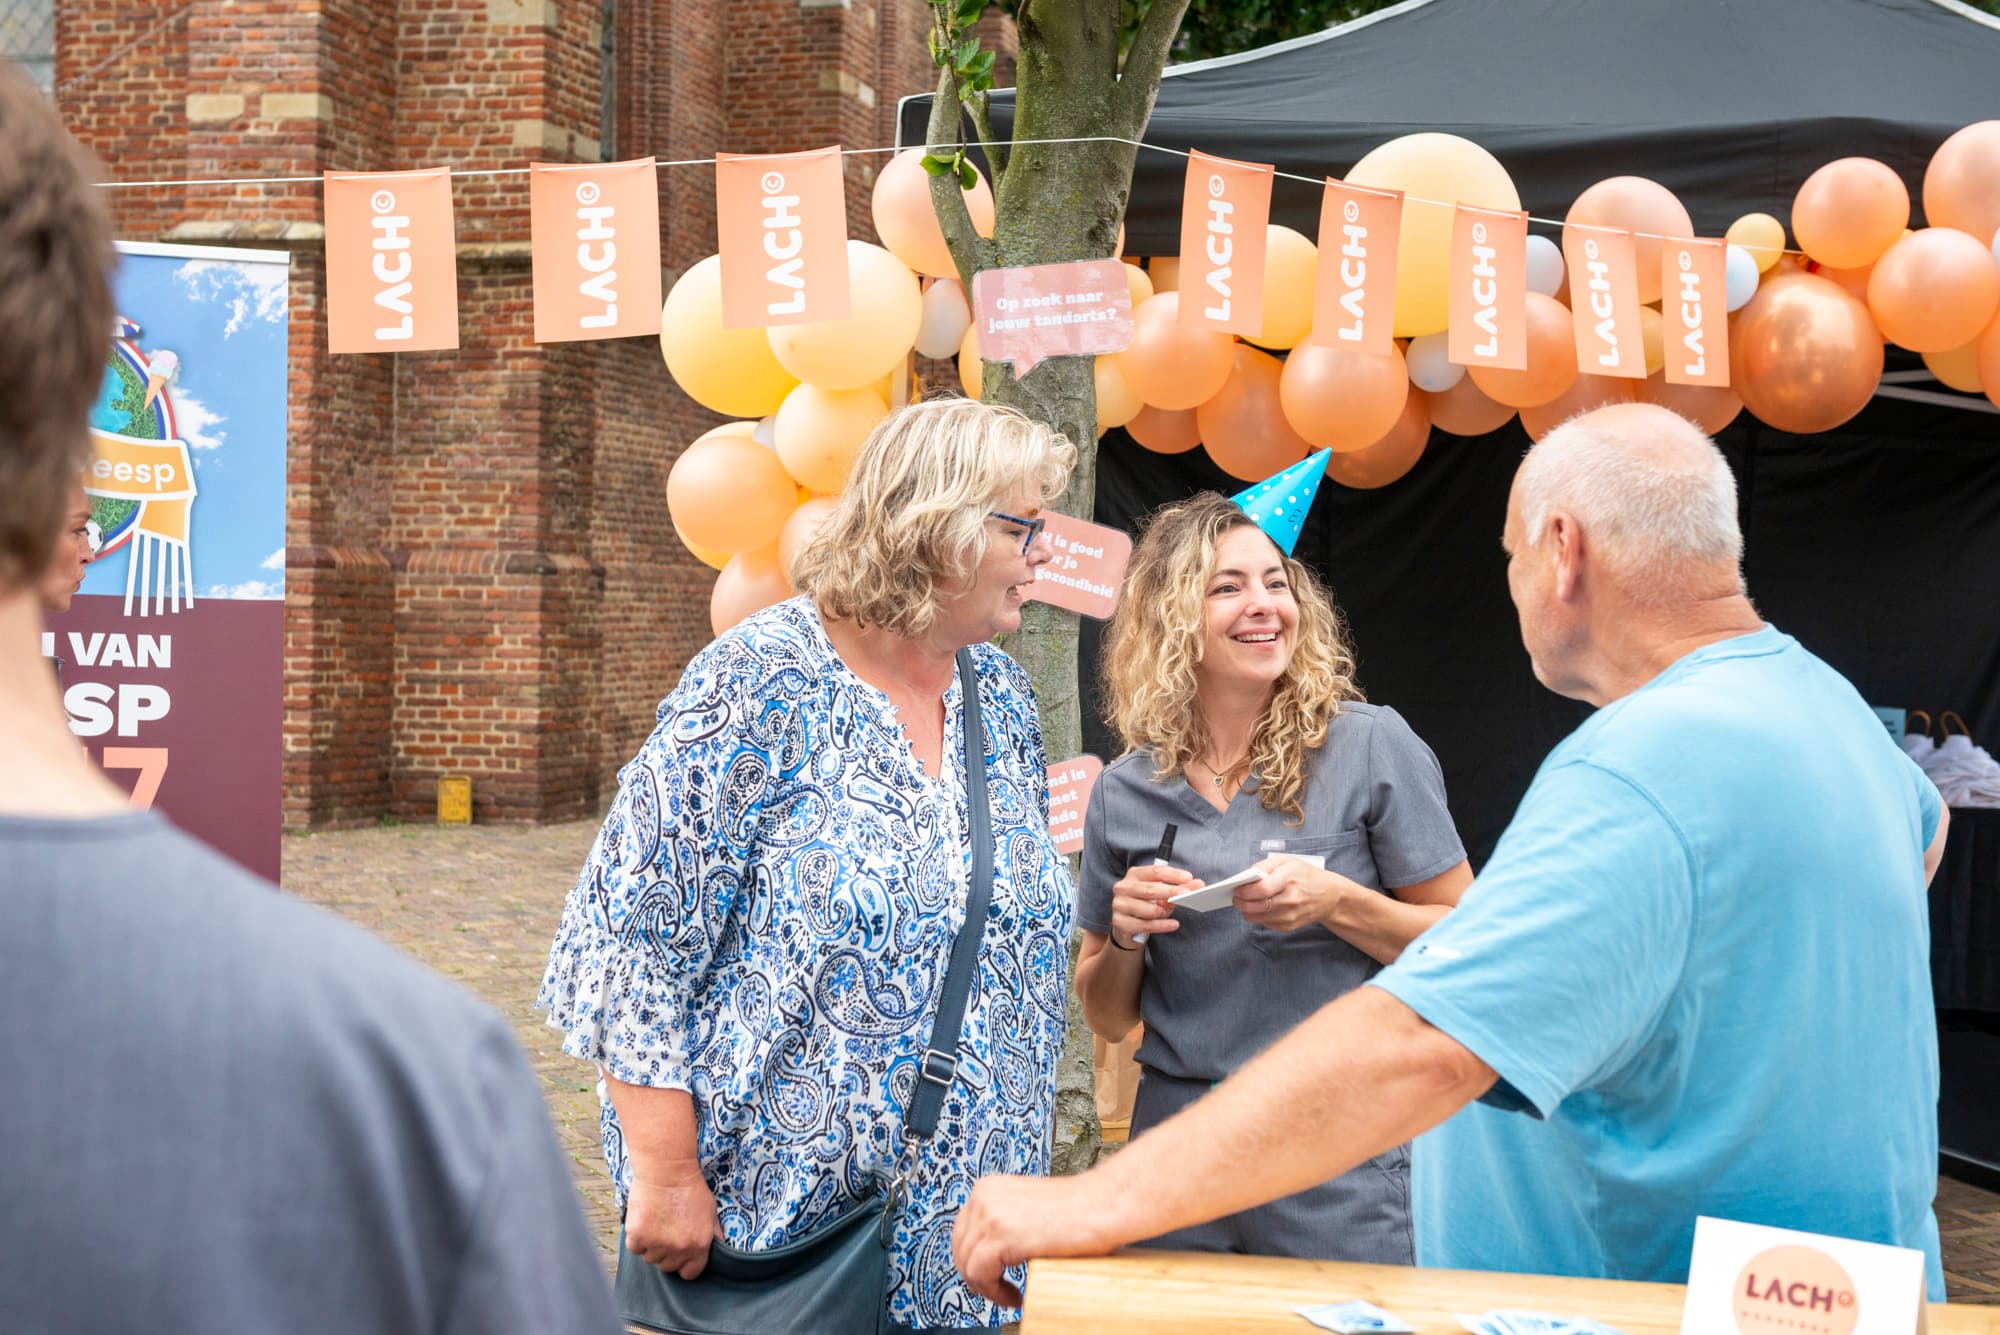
pixel 480 575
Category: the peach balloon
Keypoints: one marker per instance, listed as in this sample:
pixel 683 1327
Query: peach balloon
pixel 1958 368
pixel 751 582
pixel 1933 290
pixel 1165 273
pixel 1389 458
pixel 1850 211
pixel 1291 267
pixel 1464 410
pixel 1170 364
pixel 1140 284
pixel 1434 171
pixel 1551 359
pixel 1854 280
pixel 709 557
pixel 747 430
pixel 799 530
pixel 1962 183
pixel 1117 402
pixel 1761 235
pixel 1244 424
pixel 1709 407
pixel 820 431
pixel 1803 354
pixel 907 221
pixel 886 311
pixel 1589 391
pixel 729 494
pixel 729 371
pixel 1988 361
pixel 1652 338
pixel 1644 208
pixel 1343 399
pixel 1165 430
pixel 971 370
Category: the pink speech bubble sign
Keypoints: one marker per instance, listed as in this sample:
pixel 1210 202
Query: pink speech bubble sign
pixel 1079 309
pixel 1070 783
pixel 1088 567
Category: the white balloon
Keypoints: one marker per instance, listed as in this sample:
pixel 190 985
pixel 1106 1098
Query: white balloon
pixel 1740 276
pixel 946 318
pixel 765 433
pixel 1996 245
pixel 1545 266
pixel 1429 359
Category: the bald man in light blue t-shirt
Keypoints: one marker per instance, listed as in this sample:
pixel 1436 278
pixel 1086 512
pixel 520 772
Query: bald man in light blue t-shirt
pixel 1693 979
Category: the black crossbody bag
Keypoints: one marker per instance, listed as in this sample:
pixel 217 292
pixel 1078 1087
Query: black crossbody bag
pixel 835 1280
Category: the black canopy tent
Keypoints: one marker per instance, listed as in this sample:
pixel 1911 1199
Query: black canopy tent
pixel 1877 544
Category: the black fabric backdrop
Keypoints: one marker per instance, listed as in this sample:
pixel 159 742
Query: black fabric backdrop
pixel 1877 545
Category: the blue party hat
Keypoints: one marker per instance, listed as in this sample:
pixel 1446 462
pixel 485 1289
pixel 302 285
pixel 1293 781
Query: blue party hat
pixel 1279 503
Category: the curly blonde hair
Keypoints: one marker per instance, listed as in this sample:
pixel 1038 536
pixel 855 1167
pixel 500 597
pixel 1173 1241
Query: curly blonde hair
pixel 911 522
pixel 1154 645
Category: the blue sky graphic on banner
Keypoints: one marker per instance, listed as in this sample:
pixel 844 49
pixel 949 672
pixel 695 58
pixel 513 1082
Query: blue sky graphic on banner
pixel 194 335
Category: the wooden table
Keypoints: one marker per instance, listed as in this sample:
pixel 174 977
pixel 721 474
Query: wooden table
pixel 1189 1291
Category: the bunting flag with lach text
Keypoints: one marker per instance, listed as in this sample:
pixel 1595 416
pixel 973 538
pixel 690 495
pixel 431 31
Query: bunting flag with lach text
pixel 1693 295
pixel 1224 210
pixel 1488 304
pixel 595 242
pixel 1354 296
pixel 1604 301
pixel 781 221
pixel 391 262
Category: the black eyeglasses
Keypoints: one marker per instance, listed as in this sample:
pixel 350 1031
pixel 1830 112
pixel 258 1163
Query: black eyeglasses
pixel 1034 527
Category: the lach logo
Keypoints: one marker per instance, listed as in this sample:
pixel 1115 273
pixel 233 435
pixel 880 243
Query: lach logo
pixel 1798 1290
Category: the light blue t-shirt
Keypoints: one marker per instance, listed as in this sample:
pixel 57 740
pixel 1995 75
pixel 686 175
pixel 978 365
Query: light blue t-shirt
pixel 1700 962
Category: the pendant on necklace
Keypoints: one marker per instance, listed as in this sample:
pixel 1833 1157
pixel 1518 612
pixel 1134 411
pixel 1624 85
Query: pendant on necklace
pixel 1217 781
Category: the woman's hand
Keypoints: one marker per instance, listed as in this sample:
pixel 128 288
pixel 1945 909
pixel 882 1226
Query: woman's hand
pixel 1139 902
pixel 1292 893
pixel 669 1222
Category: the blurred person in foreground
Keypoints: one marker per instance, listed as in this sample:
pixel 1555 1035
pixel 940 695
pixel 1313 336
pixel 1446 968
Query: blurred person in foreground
pixel 73 553
pixel 224 1110
pixel 1229 679
pixel 757 944
pixel 1694 978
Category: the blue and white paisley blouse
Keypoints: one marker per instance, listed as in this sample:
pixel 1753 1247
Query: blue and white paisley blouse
pixel 765 921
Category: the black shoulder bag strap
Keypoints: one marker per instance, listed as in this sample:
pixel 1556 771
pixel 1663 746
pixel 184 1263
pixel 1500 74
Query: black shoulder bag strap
pixel 940 1060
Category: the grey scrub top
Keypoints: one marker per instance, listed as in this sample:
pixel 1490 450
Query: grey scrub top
pixel 1220 989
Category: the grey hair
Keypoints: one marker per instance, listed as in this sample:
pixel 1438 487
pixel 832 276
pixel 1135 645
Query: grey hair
pixel 1648 486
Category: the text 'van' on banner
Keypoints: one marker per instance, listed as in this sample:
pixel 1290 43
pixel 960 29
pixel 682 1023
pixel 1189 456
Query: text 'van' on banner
pixel 595 230
pixel 781 224
pixel 1225 209
pixel 391 262
pixel 1693 301
pixel 1488 303
pixel 1604 301
pixel 1354 296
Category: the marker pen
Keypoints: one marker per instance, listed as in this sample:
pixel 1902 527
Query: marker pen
pixel 1163 857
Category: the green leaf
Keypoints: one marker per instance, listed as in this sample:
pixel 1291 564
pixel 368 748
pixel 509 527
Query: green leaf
pixel 980 66
pixel 965 52
pixel 936 166
pixel 969 12
pixel 968 179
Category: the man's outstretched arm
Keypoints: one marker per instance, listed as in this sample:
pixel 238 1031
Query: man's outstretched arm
pixel 1363 1074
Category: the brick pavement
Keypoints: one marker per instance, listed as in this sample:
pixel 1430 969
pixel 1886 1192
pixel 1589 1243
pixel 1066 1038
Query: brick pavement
pixel 480 904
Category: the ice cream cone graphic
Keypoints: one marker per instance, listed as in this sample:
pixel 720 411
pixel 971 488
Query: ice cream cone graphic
pixel 160 368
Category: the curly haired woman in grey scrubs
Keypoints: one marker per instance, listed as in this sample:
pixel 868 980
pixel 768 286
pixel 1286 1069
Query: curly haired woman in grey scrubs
pixel 1229 680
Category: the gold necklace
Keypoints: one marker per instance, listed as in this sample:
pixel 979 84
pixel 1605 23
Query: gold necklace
pixel 1219 777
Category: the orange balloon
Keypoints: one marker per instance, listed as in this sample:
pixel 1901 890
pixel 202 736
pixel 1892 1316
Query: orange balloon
pixel 1639 206
pixel 1958 369
pixel 1988 359
pixel 730 494
pixel 971 370
pixel 907 221
pixel 1389 458
pixel 1173 365
pixel 799 529
pixel 1653 338
pixel 1165 430
pixel 1340 398
pixel 1589 391
pixel 1709 407
pixel 712 559
pixel 1165 272
pixel 1464 410
pixel 1117 402
pixel 1850 211
pixel 1551 358
pixel 1934 289
pixel 1854 280
pixel 1803 354
pixel 820 431
pixel 1244 424
pixel 751 582
pixel 1962 183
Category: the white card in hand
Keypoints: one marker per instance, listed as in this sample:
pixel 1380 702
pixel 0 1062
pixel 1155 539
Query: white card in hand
pixel 1217 894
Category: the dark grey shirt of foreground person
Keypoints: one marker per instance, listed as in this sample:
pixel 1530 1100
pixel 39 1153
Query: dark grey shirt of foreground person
pixel 225 1112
